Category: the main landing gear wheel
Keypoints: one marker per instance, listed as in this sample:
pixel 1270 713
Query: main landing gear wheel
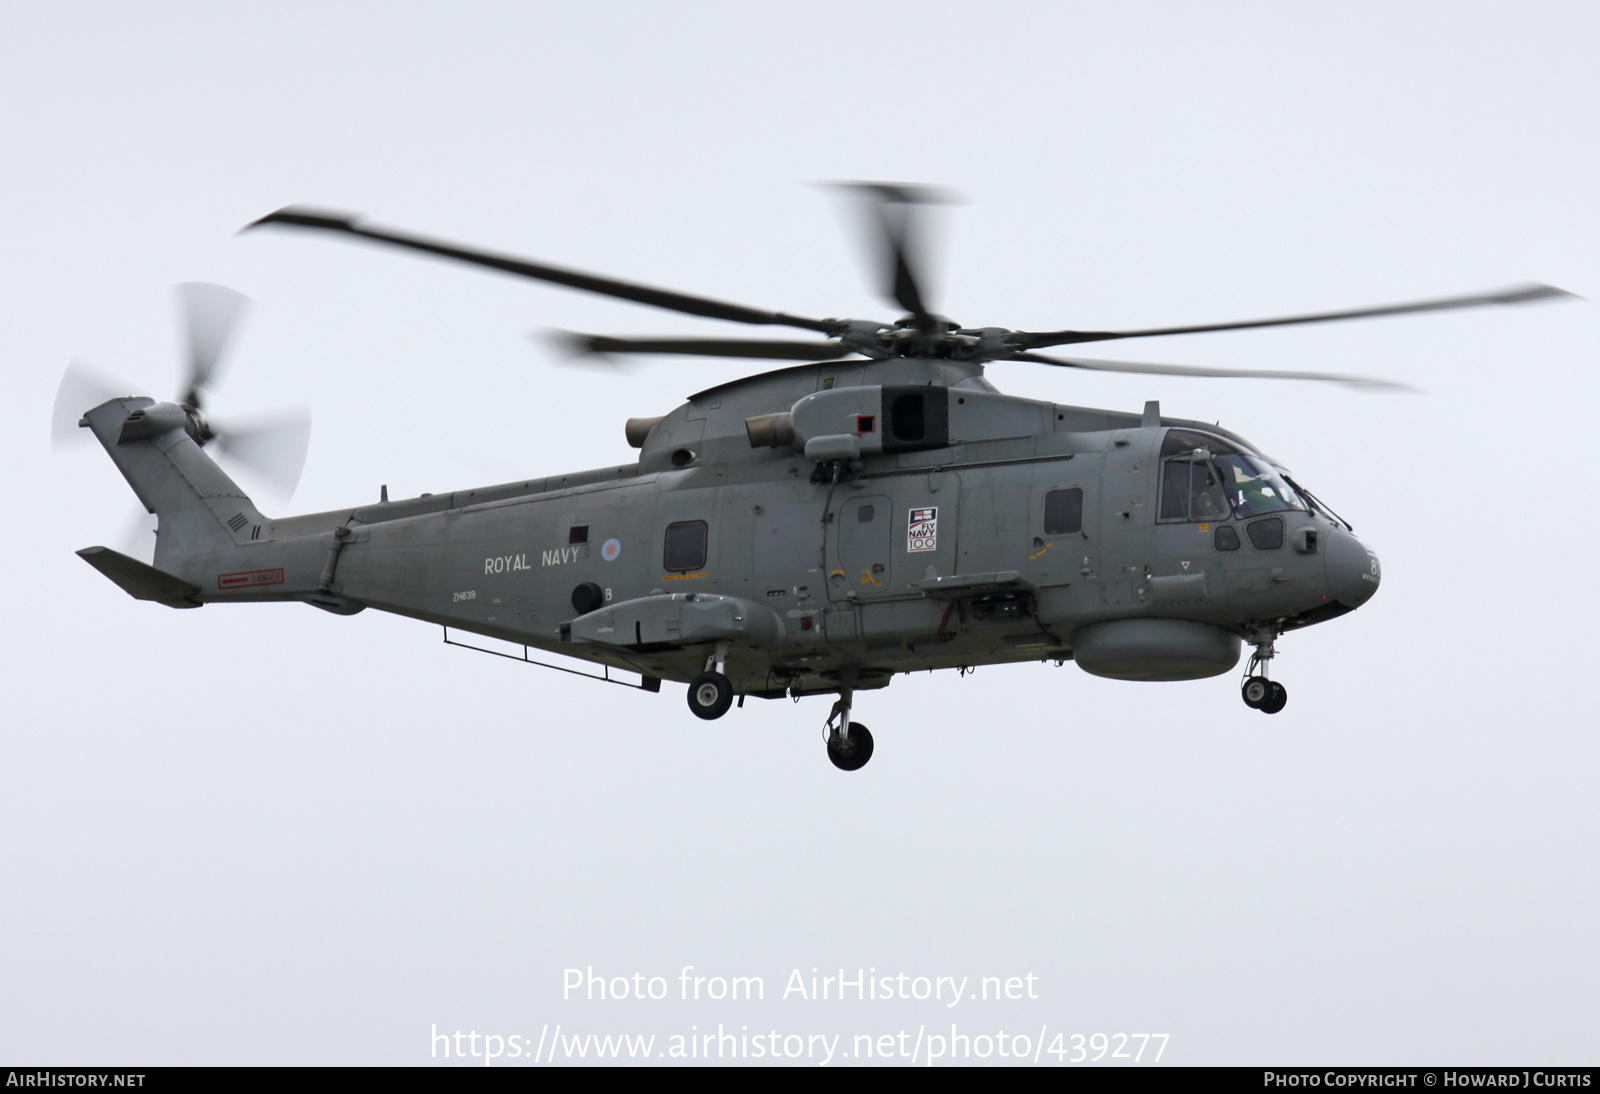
pixel 851 753
pixel 1256 691
pixel 710 695
pixel 1277 700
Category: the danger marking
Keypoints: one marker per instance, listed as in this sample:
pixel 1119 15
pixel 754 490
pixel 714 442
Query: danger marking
pixel 249 579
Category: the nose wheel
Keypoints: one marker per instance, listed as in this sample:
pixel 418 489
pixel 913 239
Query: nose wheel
pixel 1258 692
pixel 1267 696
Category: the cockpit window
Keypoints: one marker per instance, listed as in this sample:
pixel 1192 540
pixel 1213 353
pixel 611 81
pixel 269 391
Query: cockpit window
pixel 1254 487
pixel 1190 490
pixel 1203 477
pixel 1317 505
pixel 1185 441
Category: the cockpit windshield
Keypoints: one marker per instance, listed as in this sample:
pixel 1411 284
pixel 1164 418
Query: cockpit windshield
pixel 1254 487
pixel 1204 476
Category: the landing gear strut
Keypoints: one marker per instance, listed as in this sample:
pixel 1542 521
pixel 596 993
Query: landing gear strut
pixel 849 743
pixel 711 693
pixel 1260 693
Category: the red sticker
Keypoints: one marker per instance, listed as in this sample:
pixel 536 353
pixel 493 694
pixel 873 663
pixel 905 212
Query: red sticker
pixel 249 578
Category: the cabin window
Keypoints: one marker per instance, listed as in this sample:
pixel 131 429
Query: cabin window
pixel 686 545
pixel 579 533
pixel 1266 535
pixel 1225 538
pixel 864 514
pixel 1063 512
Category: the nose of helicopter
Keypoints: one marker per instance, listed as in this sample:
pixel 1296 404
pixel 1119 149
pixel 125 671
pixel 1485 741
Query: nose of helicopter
pixel 1353 570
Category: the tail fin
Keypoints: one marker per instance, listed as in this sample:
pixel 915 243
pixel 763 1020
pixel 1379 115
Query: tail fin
pixel 201 510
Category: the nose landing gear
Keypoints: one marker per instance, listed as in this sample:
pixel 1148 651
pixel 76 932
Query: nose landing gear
pixel 1260 693
pixel 849 743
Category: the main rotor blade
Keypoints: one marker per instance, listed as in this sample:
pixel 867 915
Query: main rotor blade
pixel 274 448
pixel 1370 383
pixel 80 390
pixel 578 345
pixel 1516 294
pixel 605 286
pixel 900 238
pixel 211 313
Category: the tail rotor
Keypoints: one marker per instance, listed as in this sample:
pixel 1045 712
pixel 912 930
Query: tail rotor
pixel 273 447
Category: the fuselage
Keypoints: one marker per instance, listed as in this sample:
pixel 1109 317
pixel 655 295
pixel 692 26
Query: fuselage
pixel 999 539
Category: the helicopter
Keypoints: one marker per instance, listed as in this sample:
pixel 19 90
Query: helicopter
pixel 878 508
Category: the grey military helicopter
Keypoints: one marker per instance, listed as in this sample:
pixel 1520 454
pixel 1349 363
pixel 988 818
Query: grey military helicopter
pixel 879 508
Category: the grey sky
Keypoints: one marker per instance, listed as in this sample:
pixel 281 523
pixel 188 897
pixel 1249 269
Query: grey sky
pixel 268 835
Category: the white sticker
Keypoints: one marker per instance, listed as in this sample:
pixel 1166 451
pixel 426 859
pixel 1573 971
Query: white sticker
pixel 922 532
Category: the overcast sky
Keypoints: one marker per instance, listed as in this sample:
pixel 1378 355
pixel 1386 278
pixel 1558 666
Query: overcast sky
pixel 265 834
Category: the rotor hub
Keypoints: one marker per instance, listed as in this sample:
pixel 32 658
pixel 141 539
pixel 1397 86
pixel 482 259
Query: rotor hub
pixel 196 426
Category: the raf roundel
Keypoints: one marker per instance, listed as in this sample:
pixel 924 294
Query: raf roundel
pixel 611 549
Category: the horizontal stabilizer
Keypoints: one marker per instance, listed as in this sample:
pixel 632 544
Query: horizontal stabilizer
pixel 140 581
